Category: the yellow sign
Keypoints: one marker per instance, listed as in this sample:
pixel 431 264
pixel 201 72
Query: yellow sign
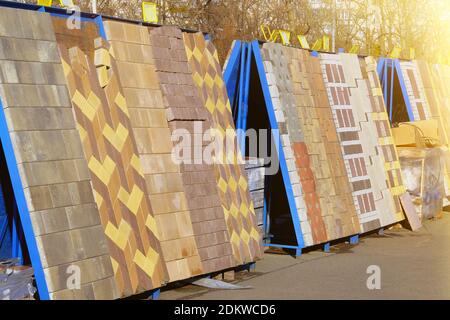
pixel 376 51
pixel 268 34
pixel 149 12
pixel 45 3
pixel 317 45
pixel 326 43
pixel 285 37
pixel 66 3
pixel 354 49
pixel 395 54
pixel 412 53
pixel 303 42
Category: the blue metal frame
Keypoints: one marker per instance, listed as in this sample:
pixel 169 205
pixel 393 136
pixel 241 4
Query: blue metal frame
pixel 240 112
pixel 246 90
pixel 231 71
pixel 393 65
pixel 279 149
pixel 22 206
pixel 241 57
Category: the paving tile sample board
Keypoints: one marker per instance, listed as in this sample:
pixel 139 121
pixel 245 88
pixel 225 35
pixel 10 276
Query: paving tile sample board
pixel 231 179
pixel 351 139
pixel 415 90
pixel 276 64
pixel 118 182
pixel 53 169
pixel 185 112
pixel 318 156
pixel 166 192
pixel 436 82
pixel 378 146
pixel 443 72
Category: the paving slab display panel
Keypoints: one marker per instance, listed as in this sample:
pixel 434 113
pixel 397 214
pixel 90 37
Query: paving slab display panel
pixel 53 169
pixel 436 83
pixel 276 64
pixel 372 121
pixel 349 134
pixel 109 145
pixel 320 151
pixel 415 90
pixel 386 148
pixel 231 180
pixel 166 190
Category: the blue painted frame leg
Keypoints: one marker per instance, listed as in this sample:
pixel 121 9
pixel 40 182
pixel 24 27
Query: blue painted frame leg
pixel 298 252
pixel 155 294
pixel 326 247
pixel 354 239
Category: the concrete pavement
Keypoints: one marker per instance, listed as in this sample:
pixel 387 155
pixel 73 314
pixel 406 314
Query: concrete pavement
pixel 413 266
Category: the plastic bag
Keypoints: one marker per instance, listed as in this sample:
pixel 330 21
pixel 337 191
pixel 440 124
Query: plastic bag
pixel 423 174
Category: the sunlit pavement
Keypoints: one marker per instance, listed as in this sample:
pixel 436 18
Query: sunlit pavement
pixel 413 266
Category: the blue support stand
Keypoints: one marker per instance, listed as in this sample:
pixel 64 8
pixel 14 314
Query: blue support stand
pixel 354 239
pixel 298 252
pixel 251 266
pixel 387 69
pixel 155 294
pixel 241 58
pixel 326 247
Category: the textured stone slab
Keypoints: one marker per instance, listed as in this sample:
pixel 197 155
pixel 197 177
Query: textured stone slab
pixel 115 169
pixel 345 108
pixel 53 169
pixel 231 180
pixel 329 208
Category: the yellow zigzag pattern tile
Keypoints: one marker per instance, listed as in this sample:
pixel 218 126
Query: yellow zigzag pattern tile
pixel 116 172
pixel 239 212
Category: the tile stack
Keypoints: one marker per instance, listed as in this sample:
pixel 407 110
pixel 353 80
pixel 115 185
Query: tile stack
pixel 187 116
pixel 297 159
pixel 164 181
pixel 349 135
pixel 256 172
pixel 231 181
pixel 415 90
pixel 379 152
pixel 49 153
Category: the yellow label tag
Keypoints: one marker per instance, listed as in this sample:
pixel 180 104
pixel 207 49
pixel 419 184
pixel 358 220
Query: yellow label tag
pixel 149 12
pixel 268 34
pixel 412 53
pixel 285 37
pixel 317 45
pixel 303 42
pixel 326 43
pixel 395 54
pixel 354 49
pixel 45 3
